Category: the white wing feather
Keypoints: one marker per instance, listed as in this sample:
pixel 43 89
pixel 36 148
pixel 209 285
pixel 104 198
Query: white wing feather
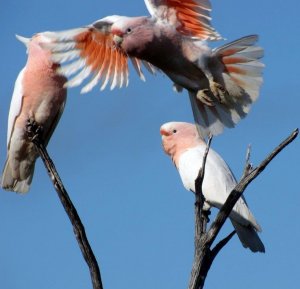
pixel 15 105
pixel 218 182
pixel 150 7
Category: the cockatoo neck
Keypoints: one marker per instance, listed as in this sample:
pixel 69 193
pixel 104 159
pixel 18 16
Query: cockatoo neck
pixel 183 147
pixel 175 148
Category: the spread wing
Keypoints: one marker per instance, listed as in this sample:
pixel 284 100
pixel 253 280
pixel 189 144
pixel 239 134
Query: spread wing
pixel 90 52
pixel 191 17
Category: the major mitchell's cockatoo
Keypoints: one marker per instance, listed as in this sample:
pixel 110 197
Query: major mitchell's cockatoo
pixel 186 148
pixel 222 83
pixel 39 95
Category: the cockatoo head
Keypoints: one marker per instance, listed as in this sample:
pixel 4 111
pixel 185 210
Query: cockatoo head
pixel 178 136
pixel 132 33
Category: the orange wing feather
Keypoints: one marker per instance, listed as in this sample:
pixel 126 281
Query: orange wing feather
pixel 192 16
pixel 194 19
pixel 90 51
pixel 101 55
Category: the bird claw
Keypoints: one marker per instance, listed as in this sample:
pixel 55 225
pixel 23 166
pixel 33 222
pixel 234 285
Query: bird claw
pixel 205 97
pixel 33 129
pixel 206 213
pixel 218 91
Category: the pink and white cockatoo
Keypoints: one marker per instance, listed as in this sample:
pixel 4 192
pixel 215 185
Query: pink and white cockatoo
pixel 222 83
pixel 186 148
pixel 39 95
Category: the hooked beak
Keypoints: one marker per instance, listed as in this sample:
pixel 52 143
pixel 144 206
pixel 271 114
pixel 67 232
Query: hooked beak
pixel 163 132
pixel 23 39
pixel 118 40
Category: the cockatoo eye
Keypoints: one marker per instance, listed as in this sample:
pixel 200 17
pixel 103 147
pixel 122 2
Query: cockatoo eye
pixel 174 130
pixel 128 30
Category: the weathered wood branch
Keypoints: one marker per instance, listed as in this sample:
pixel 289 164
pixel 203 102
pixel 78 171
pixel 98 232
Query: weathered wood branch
pixel 201 220
pixel 241 186
pixel 248 166
pixel 221 245
pixel 204 255
pixel 34 133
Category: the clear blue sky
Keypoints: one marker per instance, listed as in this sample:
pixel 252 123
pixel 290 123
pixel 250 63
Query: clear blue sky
pixel 107 148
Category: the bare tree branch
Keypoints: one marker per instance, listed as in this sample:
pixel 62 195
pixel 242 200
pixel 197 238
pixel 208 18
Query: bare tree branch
pixel 204 255
pixel 240 188
pixel 221 245
pixel 248 166
pixel 34 134
pixel 201 220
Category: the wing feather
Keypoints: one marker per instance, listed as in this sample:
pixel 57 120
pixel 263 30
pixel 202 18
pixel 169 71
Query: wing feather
pixel 191 17
pixel 90 52
pixel 15 105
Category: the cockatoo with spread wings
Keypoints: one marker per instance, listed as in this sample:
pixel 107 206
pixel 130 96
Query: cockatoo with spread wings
pixel 222 83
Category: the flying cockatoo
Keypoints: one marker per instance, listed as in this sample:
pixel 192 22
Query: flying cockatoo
pixel 39 95
pixel 186 148
pixel 222 83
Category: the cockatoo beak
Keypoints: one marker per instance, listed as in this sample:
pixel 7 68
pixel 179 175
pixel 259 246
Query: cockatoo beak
pixel 118 40
pixel 163 132
pixel 23 40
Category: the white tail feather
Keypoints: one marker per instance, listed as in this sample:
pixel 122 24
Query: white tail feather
pixel 11 183
pixel 248 237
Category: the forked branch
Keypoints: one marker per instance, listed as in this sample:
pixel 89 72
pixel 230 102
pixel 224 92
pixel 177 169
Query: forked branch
pixel 204 255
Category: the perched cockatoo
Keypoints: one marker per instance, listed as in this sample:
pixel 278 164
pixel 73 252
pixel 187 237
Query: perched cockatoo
pixel 222 83
pixel 39 95
pixel 186 148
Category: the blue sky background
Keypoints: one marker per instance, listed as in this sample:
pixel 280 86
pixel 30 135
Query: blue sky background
pixel 107 148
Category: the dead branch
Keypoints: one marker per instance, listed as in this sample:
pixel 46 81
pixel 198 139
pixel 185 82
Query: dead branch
pixel 204 255
pixel 201 220
pixel 248 166
pixel 34 133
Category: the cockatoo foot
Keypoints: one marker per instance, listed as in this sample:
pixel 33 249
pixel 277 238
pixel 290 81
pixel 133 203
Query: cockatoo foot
pixel 206 213
pixel 218 91
pixel 206 97
pixel 33 129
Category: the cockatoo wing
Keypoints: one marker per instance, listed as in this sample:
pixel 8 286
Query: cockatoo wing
pixel 190 17
pixel 218 182
pixel 241 59
pixel 90 51
pixel 242 77
pixel 15 105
